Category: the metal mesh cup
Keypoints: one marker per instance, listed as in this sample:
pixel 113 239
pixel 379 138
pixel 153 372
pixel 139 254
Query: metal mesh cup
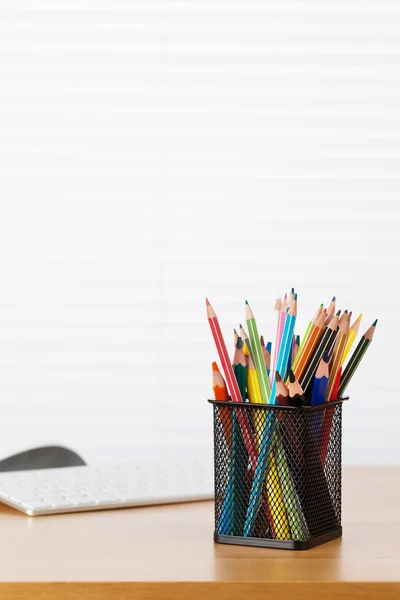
pixel 289 495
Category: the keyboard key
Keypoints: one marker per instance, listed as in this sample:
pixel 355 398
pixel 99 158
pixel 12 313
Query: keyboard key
pixel 79 500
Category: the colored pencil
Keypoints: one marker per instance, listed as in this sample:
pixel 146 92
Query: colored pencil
pixel 296 394
pixel 336 385
pixel 247 349
pixel 354 328
pixel 239 368
pixel 295 349
pixel 283 356
pixel 221 394
pixel 340 344
pixel 278 515
pixel 282 393
pixel 235 337
pixel 308 473
pixel 320 384
pixel 258 355
pixel 232 383
pixel 356 357
pixel 282 308
pixel 319 393
pixel 266 356
pixel 267 437
pixel 305 336
pixel 331 310
pixel 267 426
pixel 253 386
pixel 328 336
pixel 335 363
pixel 304 356
pixel 234 508
pixel 219 385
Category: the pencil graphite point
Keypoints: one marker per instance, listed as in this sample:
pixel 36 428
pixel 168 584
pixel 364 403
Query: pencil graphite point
pixel 334 298
pixel 325 357
pixel 246 302
pixel 375 322
pixel 292 378
pixel 292 290
pixel 215 366
pixel 277 376
pixel 338 313
pixel 207 302
pixel 262 340
pixel 239 343
pixel 295 296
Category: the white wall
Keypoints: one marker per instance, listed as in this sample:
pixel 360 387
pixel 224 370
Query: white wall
pixel 153 153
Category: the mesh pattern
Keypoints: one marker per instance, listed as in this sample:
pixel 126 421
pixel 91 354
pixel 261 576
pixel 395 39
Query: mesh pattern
pixel 290 488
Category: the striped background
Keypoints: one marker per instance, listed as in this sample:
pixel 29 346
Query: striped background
pixel 153 153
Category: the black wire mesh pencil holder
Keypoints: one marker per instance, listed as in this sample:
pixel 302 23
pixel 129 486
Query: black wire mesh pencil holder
pixel 277 473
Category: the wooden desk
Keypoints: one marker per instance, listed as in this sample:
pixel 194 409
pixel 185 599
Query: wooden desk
pixel 167 552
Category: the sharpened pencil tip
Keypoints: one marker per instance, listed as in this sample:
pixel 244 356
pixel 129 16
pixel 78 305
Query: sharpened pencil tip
pixel 334 298
pixel 239 343
pixel 268 347
pixel 285 297
pixel 262 340
pixel 277 376
pixel 295 296
pixel 215 366
pixel 207 302
pixel 375 322
pixel 292 378
pixel 338 313
pixel 292 291
pixel 325 357
pixel 246 302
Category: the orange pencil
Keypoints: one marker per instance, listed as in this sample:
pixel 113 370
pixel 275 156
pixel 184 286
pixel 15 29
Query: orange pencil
pixel 305 354
pixel 221 394
pixel 340 344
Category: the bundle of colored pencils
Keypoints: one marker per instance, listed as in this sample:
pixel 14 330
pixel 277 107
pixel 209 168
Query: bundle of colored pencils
pixel 313 370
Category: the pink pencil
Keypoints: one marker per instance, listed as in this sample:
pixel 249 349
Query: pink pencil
pixel 279 331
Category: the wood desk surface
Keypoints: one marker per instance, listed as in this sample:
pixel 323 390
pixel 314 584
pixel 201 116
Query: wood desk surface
pixel 167 552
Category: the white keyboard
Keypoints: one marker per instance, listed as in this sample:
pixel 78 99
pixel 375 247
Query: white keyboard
pixel 73 489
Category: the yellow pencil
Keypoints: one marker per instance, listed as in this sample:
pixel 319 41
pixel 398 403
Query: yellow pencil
pixel 340 344
pixel 352 336
pixel 273 487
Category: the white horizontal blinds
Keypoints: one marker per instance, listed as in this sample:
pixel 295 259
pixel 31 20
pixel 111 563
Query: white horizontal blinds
pixel 153 153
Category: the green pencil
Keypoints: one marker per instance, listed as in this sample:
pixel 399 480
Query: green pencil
pixel 356 357
pixel 258 355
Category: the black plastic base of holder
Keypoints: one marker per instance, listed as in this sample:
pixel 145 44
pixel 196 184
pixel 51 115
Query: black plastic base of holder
pixel 281 544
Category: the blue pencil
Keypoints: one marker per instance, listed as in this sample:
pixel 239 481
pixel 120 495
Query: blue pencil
pixel 262 462
pixel 268 348
pixel 319 392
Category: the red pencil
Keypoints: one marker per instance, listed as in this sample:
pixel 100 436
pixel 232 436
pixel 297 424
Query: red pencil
pixel 232 384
